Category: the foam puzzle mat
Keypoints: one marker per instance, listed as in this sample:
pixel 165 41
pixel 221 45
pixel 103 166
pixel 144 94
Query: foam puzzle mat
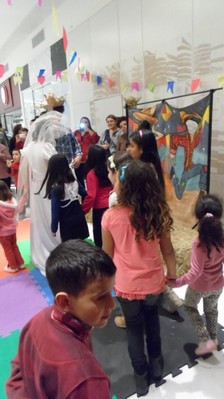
pixel 24 294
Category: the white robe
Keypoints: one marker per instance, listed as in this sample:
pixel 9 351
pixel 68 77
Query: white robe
pixel 36 155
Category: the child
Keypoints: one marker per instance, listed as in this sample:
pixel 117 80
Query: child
pixel 98 189
pixel 13 166
pixel 205 277
pixel 55 358
pixel 8 223
pixel 62 190
pixel 113 163
pixel 133 231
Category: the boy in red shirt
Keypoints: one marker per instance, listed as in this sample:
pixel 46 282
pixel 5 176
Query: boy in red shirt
pixel 55 359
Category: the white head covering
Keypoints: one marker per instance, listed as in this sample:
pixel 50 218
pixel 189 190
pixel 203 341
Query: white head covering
pixel 47 128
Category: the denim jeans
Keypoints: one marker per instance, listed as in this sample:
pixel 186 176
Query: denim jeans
pixel 142 320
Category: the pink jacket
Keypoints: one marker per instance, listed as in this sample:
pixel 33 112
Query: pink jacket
pixel 8 221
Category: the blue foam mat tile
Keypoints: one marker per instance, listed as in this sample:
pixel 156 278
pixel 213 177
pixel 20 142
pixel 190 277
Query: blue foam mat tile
pixel 43 285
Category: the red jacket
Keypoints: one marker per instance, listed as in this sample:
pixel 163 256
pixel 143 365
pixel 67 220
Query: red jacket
pixel 55 360
pixel 85 140
pixel 97 197
pixel 8 221
pixel 14 172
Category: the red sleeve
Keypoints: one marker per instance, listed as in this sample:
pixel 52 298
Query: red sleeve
pixel 15 384
pixel 95 138
pixel 91 185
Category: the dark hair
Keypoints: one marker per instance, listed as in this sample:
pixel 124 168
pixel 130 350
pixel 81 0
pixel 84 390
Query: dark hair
pixel 74 263
pixel 208 211
pixel 96 160
pixel 120 157
pixel 5 193
pixel 58 173
pixel 147 142
pixel 24 129
pixel 141 191
pixel 144 125
pixel 59 108
pixel 89 124
pixel 121 119
pixel 16 129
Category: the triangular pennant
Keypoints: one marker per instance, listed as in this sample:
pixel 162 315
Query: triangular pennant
pixel 41 79
pixel 73 58
pixel 194 84
pixel 58 75
pixel 17 79
pixel 19 71
pixel 55 20
pixel 64 76
pixel 221 80
pixel 110 82
pixel 135 86
pixel 170 86
pixel 2 70
pixel 41 72
pixel 88 76
pixel 9 2
pixel 151 87
pixel 39 3
pixel 65 40
pixel 99 80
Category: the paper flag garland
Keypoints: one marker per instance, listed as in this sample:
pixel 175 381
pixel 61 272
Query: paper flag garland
pixel 65 40
pixel 170 86
pixel 194 84
pixel 2 70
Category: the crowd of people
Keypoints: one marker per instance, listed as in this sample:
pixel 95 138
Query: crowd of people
pixel 119 177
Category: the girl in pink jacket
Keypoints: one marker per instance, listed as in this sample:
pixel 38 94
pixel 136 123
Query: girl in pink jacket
pixel 8 223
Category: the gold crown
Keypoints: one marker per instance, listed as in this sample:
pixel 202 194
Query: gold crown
pixel 52 101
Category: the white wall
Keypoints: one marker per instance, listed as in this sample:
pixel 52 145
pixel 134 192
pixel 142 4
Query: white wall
pixel 138 40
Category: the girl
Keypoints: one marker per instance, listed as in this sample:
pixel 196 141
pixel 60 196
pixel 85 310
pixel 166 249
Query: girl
pixel 62 190
pixel 108 140
pixel 113 163
pixel 98 189
pixel 13 166
pixel 143 146
pixel 8 223
pixel 205 277
pixel 86 136
pixel 133 231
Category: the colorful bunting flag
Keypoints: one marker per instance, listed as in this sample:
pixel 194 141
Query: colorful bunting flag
pixel 39 3
pixel 194 84
pixel 19 71
pixel 17 79
pixel 41 79
pixel 2 70
pixel 58 75
pixel 221 80
pixel 73 58
pixel 41 72
pixel 110 82
pixel 55 21
pixel 151 87
pixel 64 76
pixel 9 2
pixel 135 86
pixel 88 76
pixel 99 80
pixel 170 86
pixel 65 40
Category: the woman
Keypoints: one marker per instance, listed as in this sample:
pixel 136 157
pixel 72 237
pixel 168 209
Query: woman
pixel 108 140
pixel 86 136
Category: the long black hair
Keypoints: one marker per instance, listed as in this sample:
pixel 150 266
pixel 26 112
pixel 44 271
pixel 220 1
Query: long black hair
pixel 58 173
pixel 208 211
pixel 97 160
pixel 88 121
pixel 145 139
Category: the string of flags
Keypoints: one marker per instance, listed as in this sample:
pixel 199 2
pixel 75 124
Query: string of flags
pixel 84 75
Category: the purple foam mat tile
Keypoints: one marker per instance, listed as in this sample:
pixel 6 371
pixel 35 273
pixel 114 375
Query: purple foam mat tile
pixel 20 300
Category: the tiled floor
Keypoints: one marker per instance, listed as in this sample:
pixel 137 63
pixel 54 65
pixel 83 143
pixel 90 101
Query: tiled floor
pixel 203 381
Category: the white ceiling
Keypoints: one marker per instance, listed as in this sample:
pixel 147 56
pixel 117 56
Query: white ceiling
pixel 19 20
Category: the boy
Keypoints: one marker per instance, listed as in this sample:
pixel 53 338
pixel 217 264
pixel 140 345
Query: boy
pixel 55 359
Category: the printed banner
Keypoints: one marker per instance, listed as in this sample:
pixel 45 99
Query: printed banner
pixel 182 137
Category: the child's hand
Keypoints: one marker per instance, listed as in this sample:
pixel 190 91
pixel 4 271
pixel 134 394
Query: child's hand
pixel 8 163
pixel 171 282
pixel 53 234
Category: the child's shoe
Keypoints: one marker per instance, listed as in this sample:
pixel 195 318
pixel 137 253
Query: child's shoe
pixel 8 269
pixel 205 347
pixel 120 321
pixel 23 266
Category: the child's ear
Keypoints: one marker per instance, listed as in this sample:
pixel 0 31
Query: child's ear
pixel 62 300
